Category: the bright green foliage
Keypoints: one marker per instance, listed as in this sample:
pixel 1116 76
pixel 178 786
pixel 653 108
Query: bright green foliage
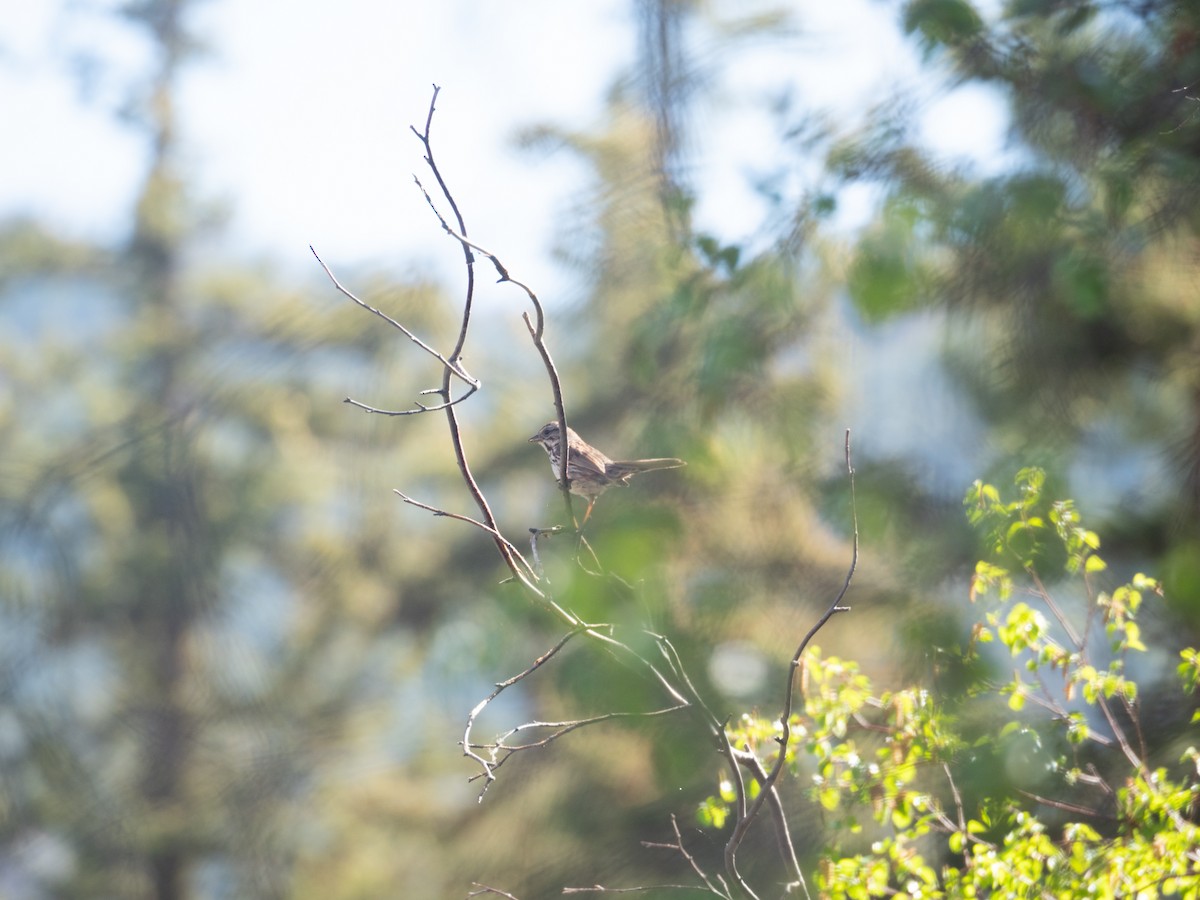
pixel 899 758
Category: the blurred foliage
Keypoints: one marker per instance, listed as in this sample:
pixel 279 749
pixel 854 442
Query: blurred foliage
pixel 1071 274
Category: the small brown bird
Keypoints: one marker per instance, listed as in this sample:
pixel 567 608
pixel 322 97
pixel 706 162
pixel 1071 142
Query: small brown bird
pixel 589 472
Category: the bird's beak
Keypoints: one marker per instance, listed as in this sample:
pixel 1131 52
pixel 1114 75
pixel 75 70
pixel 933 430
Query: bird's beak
pixel 534 439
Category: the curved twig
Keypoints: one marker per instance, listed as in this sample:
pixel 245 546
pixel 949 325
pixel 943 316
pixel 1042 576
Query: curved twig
pixel 468 244
pixel 490 767
pixel 488 889
pixel 437 511
pixel 416 410
pixel 743 824
pixel 537 332
pixel 454 367
pixel 460 453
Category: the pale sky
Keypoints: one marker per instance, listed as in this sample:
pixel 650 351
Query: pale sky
pixel 299 120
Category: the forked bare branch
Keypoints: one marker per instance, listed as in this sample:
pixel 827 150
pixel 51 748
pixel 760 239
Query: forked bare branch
pixel 537 332
pixel 529 574
pixel 500 750
pixel 488 889
pixel 669 674
pixel 489 767
pixel 503 546
pixel 719 890
pixel 454 367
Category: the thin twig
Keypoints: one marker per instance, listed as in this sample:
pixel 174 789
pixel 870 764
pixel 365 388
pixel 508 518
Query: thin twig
pixel 716 726
pixel 640 889
pixel 537 333
pixel 720 736
pixel 1073 808
pixel 743 824
pixel 437 511
pixel 454 367
pixel 958 803
pixel 486 889
pixel 488 768
pixel 417 409
pixel 460 453
pixel 561 728
pixel 783 836
pixel 1058 614
pixel 468 244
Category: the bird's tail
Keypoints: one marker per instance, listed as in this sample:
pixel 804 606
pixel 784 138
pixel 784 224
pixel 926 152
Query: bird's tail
pixel 625 467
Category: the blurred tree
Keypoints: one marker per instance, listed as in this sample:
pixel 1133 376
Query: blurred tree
pixel 1069 277
pixel 204 616
pixel 697 348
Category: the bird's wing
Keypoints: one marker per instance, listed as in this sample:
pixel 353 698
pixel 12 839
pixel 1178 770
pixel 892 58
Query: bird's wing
pixel 588 463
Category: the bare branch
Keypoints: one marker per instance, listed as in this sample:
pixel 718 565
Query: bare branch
pixel 673 680
pixel 958 803
pixel 481 525
pixel 465 743
pixel 514 562
pixel 417 409
pixel 641 889
pixel 453 367
pixel 723 891
pixel 783 836
pixel 537 332
pixel 1074 809
pixel 562 728
pixel 499 751
pixel 1058 614
pixel 486 889
pixel 716 726
pixel 743 824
